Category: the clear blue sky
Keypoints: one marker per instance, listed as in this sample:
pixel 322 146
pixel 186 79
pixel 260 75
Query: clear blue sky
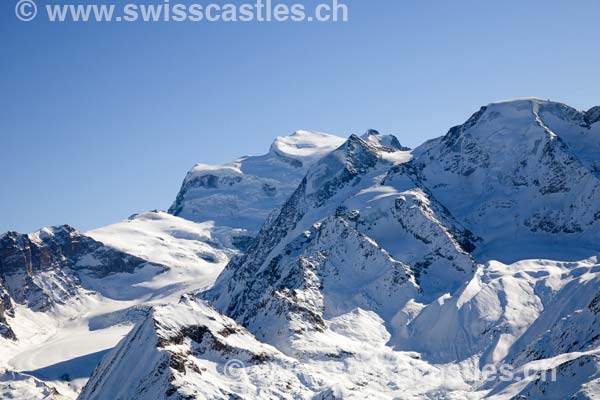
pixel 99 121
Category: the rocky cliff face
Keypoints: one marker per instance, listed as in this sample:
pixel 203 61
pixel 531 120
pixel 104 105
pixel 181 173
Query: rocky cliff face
pixel 6 310
pixel 592 116
pixel 41 269
pixel 182 351
pixel 518 172
pixel 330 249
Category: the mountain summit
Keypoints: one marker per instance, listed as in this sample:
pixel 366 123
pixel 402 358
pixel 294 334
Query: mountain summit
pixel 477 248
pixel 242 193
pixel 335 269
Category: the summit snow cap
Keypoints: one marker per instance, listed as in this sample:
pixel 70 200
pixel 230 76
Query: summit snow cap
pixel 243 192
pixel 389 141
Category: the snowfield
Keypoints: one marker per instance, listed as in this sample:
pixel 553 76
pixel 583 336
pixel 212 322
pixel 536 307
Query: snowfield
pixel 61 346
pixel 466 268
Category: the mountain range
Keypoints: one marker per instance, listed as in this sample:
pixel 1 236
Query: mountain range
pixel 331 268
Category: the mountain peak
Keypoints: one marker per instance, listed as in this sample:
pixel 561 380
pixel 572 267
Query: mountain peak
pixel 387 141
pixel 303 146
pixel 514 122
pixel 592 115
pixel 343 256
pixel 542 110
pixel 520 100
pixel 243 192
pixel 537 158
pixel 60 233
pixel 355 157
pixel 357 151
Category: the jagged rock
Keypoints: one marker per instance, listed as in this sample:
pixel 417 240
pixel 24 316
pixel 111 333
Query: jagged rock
pixel 513 170
pixel 41 269
pixel 291 280
pixel 185 351
pixel 592 115
pixel 6 309
pixel 383 141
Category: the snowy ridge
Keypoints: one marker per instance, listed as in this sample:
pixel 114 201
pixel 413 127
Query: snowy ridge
pixel 241 194
pixel 62 343
pixel 14 385
pixel 195 253
pixel 189 350
pixel 381 253
pixel 294 274
pixel 182 350
pixel 510 177
pixel 390 141
pixel 42 269
pixel 332 269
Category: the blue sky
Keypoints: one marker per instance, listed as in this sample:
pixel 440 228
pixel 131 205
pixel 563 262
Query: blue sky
pixel 99 121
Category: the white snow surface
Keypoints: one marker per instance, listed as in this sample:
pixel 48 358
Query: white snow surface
pixel 194 252
pixel 378 272
pixel 62 345
pixel 242 193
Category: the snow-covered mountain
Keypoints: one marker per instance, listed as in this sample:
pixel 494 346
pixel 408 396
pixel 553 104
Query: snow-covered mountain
pixel 517 173
pixel 352 269
pixel 42 269
pixel 175 256
pixel 242 193
pixel 71 296
pixel 330 251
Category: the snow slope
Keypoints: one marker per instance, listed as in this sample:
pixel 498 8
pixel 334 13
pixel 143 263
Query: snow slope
pixel 391 273
pixel 516 173
pixel 242 193
pixel 346 207
pixel 331 269
pixel 195 253
pixel 60 344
